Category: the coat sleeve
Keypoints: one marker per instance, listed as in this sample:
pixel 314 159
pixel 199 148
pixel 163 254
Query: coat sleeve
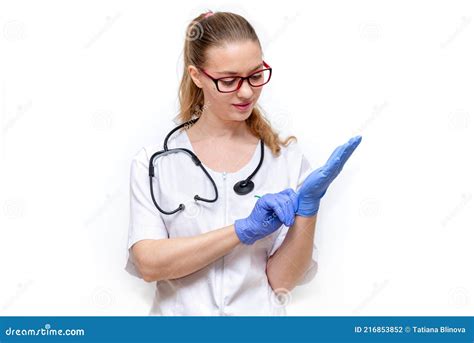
pixel 304 169
pixel 145 221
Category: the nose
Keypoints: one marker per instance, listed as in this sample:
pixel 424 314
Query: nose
pixel 245 91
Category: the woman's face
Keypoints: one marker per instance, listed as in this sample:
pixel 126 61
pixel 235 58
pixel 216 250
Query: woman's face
pixel 232 59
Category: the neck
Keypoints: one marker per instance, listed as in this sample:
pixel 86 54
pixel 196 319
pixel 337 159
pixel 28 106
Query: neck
pixel 211 126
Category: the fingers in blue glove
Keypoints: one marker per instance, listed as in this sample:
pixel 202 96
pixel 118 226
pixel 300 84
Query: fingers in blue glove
pixel 287 209
pixel 340 155
pixel 349 148
pixel 316 184
pixel 293 197
pixel 283 204
pixel 272 204
pixel 289 201
pixel 335 156
pixel 280 212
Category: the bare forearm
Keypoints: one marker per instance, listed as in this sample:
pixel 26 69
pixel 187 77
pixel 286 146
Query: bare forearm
pixel 290 262
pixel 173 258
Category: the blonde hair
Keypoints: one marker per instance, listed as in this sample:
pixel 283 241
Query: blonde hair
pixel 214 29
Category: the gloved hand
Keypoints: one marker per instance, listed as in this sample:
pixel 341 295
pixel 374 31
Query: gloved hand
pixel 316 184
pixel 268 214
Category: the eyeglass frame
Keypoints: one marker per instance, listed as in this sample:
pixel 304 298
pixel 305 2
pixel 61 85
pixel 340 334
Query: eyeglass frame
pixel 242 78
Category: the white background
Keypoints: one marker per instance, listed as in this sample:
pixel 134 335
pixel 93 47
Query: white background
pixel 86 84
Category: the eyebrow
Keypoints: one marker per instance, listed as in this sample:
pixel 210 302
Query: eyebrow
pixel 235 73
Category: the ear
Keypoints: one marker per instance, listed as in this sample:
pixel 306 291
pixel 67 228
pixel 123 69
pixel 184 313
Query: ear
pixel 195 75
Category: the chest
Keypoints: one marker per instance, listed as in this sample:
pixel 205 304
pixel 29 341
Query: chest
pixel 224 157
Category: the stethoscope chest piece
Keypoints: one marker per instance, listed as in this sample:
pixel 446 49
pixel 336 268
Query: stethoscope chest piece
pixel 243 187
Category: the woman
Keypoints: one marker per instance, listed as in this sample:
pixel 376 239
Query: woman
pixel 236 255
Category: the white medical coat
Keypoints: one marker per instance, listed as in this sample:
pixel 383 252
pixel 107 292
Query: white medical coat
pixel 235 284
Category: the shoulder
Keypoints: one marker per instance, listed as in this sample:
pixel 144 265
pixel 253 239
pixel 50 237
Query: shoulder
pixel 144 154
pixel 291 152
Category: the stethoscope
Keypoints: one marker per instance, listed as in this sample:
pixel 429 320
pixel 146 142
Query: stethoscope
pixel 241 187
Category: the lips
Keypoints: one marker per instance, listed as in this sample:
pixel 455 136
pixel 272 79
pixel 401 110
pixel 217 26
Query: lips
pixel 242 106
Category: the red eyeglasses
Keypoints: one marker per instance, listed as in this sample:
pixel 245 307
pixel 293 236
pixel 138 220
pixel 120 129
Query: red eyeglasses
pixel 229 84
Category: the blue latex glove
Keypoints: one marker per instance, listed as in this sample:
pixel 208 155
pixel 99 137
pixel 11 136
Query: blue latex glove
pixel 268 214
pixel 316 184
